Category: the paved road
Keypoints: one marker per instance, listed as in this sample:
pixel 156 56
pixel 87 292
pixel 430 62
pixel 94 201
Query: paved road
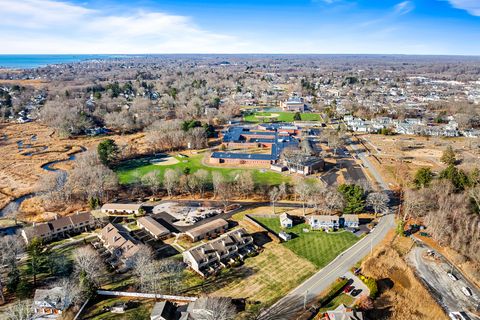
pixel 448 292
pixel 319 282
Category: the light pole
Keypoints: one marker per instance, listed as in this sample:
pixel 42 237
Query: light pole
pixel 305 300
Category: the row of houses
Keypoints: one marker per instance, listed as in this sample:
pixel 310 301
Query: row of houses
pixel 60 227
pixel 208 258
pixel 411 126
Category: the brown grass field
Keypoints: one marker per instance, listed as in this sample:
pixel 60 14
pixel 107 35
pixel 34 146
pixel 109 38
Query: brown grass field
pixel 20 173
pixel 414 152
pixel 407 298
pixel 269 275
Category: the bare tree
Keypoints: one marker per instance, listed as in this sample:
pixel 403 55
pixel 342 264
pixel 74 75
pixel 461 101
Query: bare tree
pixel 171 180
pixel 303 190
pixel 244 183
pixel 213 308
pixel 70 291
pixel 225 192
pixel 152 179
pixel 11 246
pixel 20 310
pixel 202 177
pixel 274 196
pixel 218 179
pixel 378 201
pixel 87 261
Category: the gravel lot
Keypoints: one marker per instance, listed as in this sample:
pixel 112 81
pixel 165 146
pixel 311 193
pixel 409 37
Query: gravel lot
pixel 433 270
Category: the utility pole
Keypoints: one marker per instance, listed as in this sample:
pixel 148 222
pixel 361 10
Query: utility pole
pixel 305 300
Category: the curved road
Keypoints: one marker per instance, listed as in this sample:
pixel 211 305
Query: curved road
pixel 320 281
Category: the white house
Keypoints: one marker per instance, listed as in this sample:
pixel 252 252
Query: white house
pixel 286 221
pixel 323 222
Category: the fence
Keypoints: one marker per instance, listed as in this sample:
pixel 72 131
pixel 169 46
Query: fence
pixel 145 295
pixel 251 219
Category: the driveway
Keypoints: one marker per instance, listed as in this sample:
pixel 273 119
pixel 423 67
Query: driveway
pixel 308 291
pixel 320 281
pixel 358 284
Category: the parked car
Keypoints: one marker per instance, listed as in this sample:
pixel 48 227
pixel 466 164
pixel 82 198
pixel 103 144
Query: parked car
pixel 452 276
pixel 348 289
pixel 466 291
pixel 356 292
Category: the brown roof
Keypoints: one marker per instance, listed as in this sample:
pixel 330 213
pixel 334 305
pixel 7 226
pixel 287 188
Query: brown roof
pixel 39 230
pixel 81 217
pixel 119 240
pixel 228 242
pixel 153 226
pixel 121 206
pixel 71 220
pixel 207 227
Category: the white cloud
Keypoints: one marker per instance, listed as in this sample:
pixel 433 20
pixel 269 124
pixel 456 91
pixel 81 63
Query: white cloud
pixel 51 26
pixel 471 6
pixel 404 7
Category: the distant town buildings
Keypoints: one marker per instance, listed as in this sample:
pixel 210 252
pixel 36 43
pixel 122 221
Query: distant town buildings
pixel 294 104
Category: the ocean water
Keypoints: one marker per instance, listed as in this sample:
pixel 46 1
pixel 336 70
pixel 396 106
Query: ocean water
pixel 27 61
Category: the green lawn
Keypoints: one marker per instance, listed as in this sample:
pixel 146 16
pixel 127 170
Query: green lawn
pixel 130 170
pixel 282 117
pixel 316 246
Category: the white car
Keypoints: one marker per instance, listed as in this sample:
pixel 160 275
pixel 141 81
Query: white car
pixel 458 316
pixel 452 276
pixel 466 291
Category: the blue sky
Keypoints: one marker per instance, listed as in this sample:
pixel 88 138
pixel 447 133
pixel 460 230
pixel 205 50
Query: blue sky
pixel 248 26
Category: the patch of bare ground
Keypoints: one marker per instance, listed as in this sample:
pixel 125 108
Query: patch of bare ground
pixel 400 156
pixel 402 296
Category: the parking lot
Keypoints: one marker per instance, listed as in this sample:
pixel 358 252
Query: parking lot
pixel 434 270
pixel 186 215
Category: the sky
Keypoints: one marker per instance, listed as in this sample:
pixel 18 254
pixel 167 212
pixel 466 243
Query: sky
pixel 443 27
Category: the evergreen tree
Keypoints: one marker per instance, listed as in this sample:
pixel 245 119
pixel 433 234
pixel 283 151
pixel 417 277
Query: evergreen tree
pixel 423 177
pixel 107 151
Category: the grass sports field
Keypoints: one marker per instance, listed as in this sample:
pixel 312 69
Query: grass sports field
pixel 316 246
pixel 132 170
pixel 280 116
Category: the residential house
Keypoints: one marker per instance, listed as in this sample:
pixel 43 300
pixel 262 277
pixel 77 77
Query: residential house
pixel 60 227
pixel 208 230
pixel 207 258
pixel 49 302
pixel 284 236
pixel 121 208
pixel 119 243
pixel 349 221
pixel 286 221
pixel 324 222
pixel 344 313
pixel 153 227
pixel 164 310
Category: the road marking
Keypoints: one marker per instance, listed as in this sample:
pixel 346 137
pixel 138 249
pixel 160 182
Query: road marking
pixel 363 246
